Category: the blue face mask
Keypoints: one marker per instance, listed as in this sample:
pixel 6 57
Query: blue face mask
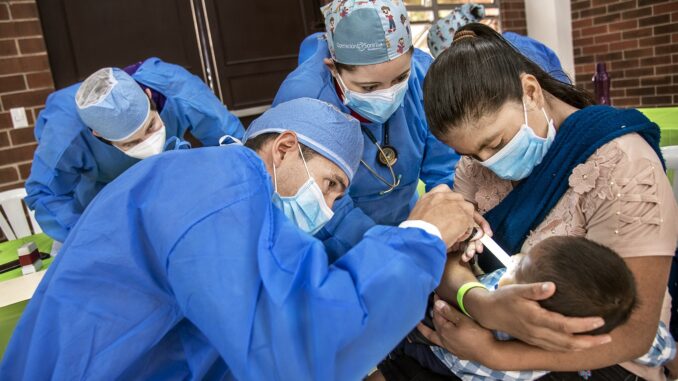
pixel 516 160
pixel 377 105
pixel 307 208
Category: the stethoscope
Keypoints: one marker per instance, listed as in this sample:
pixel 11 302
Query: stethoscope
pixel 386 156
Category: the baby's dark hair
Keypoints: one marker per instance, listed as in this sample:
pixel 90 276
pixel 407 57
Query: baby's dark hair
pixel 590 279
pixel 480 72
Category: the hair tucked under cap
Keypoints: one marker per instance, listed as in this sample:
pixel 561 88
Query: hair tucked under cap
pixel 320 126
pixel 366 32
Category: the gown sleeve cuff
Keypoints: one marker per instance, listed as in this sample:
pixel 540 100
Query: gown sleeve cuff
pixel 423 225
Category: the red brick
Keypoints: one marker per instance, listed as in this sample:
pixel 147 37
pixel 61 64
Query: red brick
pixel 19 29
pixel 617 93
pixel 607 18
pixel 4 11
pixel 4 139
pixel 623 25
pixel 8 175
pixel 640 91
pixel 625 64
pixel 21 136
pixel 596 3
pixel 40 80
pixel 5 120
pixel 657 80
pixel 674 17
pixel 594 31
pixel 25 99
pixel 583 59
pixel 660 100
pixel 654 41
pixel 630 82
pixel 668 7
pixel 14 83
pixel 639 72
pixel 16 185
pixel 24 170
pixel 583 23
pixel 654 20
pixel 642 52
pixel 24 11
pixel 667 90
pixel 636 13
pixel 7 48
pixel 623 45
pixel 596 49
pixel 637 33
pixel 17 154
pixel 643 3
pixel 591 12
pixel 23 64
pixel 656 60
pixel 620 6
pixel 611 37
pixel 32 45
pixel 611 56
pixel 579 5
pixel 666 49
pixel 668 28
pixel 668 69
pixel 626 102
pixel 583 41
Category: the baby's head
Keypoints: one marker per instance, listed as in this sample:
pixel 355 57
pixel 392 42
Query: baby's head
pixel 590 279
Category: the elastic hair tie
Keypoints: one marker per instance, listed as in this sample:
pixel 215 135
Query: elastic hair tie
pixel 464 34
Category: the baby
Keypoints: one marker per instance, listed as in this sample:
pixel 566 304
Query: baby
pixel 590 279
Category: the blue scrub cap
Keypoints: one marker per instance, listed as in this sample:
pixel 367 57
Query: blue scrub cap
pixel 366 32
pixel 111 103
pixel 320 126
pixel 441 33
pixel 539 53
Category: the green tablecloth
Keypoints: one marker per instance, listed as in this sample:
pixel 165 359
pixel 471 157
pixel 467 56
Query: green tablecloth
pixel 8 252
pixel 9 315
pixel 667 120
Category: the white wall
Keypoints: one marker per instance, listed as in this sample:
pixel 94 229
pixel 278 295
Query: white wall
pixel 550 21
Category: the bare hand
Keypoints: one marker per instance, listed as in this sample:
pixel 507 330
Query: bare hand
pixel 516 311
pixel 457 333
pixel 448 211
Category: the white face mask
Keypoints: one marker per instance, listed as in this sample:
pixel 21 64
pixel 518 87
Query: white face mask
pixel 152 145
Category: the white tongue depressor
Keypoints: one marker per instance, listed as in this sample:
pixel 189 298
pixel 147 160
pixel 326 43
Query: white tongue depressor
pixel 497 251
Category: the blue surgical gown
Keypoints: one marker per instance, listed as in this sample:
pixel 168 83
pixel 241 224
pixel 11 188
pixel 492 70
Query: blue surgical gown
pixel 183 269
pixel 420 154
pixel 71 165
pixel 539 53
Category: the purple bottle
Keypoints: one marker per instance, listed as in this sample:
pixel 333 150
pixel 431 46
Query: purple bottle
pixel 601 84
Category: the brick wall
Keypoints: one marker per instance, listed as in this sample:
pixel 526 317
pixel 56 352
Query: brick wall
pixel 638 39
pixel 512 15
pixel 25 81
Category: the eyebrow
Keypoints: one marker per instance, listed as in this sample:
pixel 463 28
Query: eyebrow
pixel 151 123
pixel 482 145
pixel 339 181
pixel 407 71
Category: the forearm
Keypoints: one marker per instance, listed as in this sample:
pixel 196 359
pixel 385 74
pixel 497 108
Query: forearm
pixel 456 274
pixel 516 355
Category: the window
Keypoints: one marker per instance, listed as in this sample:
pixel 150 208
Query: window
pixel 424 12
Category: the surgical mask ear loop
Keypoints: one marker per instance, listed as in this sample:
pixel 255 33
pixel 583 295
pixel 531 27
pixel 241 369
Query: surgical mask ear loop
pixel 304 160
pixel 275 180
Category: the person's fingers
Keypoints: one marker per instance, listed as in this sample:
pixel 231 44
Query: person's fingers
pixel 535 291
pixel 430 335
pixel 446 311
pixel 484 225
pixel 567 325
pixel 442 188
pixel 561 342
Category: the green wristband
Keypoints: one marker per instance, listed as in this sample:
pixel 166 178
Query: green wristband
pixel 463 290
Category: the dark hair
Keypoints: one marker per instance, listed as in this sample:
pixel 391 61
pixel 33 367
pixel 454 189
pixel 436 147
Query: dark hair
pixel 256 143
pixel 590 279
pixel 341 67
pixel 477 74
